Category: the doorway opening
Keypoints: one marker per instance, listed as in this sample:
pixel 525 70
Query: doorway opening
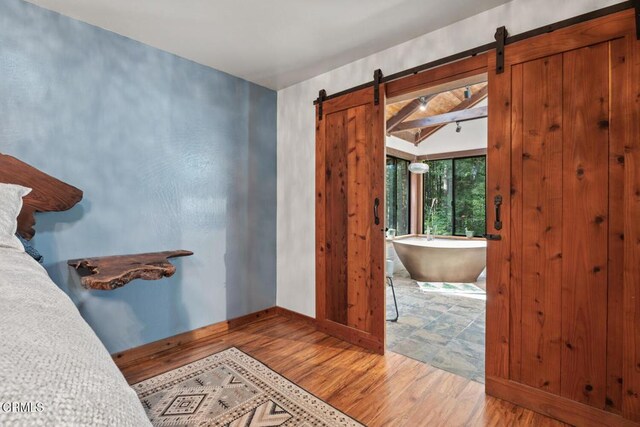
pixel 436 147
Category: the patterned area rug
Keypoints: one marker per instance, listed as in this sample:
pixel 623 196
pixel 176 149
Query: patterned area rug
pixel 232 389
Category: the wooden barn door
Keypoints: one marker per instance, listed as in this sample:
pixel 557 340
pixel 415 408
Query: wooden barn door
pixel 563 284
pixel 350 159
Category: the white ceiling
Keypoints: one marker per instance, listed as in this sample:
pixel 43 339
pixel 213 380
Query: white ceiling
pixel 274 43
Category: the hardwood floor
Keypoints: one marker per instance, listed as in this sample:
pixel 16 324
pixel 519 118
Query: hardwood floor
pixel 389 390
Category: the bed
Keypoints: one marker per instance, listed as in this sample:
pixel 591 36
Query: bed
pixel 53 368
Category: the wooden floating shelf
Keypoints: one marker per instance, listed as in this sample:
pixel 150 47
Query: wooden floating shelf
pixel 48 194
pixel 111 272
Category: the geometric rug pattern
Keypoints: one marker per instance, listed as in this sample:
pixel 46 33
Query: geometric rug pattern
pixel 232 389
pixel 450 288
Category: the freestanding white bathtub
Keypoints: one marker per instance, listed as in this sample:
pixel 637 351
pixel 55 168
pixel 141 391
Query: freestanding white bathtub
pixel 457 260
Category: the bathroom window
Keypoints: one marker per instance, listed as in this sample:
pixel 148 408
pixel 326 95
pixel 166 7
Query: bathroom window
pixel 455 196
pixel 438 197
pixel 398 193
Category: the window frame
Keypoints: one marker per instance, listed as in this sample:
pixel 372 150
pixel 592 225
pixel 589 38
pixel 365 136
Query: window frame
pixel 395 161
pixel 453 160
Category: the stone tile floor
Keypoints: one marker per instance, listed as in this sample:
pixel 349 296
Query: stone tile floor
pixel 446 331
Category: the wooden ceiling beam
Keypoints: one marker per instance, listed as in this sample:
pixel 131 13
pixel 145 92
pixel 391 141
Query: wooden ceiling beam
pixel 400 154
pixel 473 100
pixel 465 104
pixel 444 119
pixel 405 112
pixel 406 135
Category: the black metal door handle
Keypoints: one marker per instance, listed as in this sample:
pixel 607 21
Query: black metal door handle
pixel 376 204
pixel 497 202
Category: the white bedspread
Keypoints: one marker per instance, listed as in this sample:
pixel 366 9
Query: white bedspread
pixel 51 362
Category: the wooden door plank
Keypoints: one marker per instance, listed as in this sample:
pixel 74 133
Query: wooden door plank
pixel 359 220
pixel 336 219
pixel 516 331
pixel 619 134
pixel 585 208
pixel 321 226
pixel 350 166
pixel 347 101
pixel 552 405
pixel 595 31
pixel 376 134
pixel 600 241
pixel 542 223
pixel 631 307
pixel 452 72
pixel 498 251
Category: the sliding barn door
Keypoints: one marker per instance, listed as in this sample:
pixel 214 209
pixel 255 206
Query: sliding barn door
pixel 563 301
pixel 350 283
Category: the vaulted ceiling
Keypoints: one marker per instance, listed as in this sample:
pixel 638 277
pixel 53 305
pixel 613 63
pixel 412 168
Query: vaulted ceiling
pixel 406 120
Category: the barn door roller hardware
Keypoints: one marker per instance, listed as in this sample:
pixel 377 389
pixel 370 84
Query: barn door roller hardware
pixel 501 39
pixel 627 4
pixel 377 78
pixel 322 95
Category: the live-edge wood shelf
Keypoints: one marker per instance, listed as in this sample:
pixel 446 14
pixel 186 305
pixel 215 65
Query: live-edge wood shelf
pixel 111 272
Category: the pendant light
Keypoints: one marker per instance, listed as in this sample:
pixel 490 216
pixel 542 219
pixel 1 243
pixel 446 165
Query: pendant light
pixel 418 168
pixel 423 103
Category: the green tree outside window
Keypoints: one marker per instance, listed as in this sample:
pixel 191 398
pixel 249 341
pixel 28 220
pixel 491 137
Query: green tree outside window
pixel 455 196
pixel 397 195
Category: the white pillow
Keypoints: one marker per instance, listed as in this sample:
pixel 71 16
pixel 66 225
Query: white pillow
pixel 10 205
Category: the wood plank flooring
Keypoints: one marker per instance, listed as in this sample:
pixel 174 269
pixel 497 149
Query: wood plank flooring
pixel 389 390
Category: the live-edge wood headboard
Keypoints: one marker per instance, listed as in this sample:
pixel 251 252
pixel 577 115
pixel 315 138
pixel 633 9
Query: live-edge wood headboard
pixel 48 193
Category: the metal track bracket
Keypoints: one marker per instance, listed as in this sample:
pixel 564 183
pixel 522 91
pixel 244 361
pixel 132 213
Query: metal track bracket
pixel 377 78
pixel 501 38
pixel 321 97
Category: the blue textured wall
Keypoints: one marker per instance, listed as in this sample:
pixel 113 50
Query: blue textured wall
pixel 170 155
